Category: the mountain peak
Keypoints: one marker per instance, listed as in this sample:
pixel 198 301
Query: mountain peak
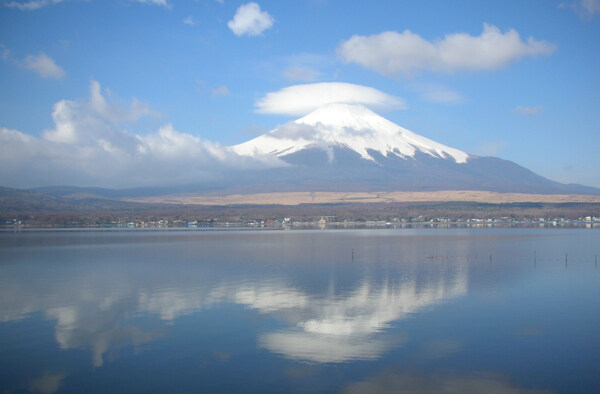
pixel 338 114
pixel 348 126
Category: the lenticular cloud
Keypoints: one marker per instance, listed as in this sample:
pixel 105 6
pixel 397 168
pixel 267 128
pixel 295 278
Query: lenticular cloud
pixel 302 99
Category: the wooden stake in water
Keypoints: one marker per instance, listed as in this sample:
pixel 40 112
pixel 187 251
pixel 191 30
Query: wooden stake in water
pixel 352 254
pixel 596 261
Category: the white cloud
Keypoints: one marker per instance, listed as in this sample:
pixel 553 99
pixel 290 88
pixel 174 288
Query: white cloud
pixel 439 94
pixel 304 74
pixel 592 7
pixel 189 21
pixel 32 4
pixel 6 54
pixel 586 9
pixel 250 20
pixel 163 3
pixel 41 64
pixel 82 122
pixel 44 66
pixel 91 144
pixel 306 67
pixel 220 91
pixel 302 99
pixel 392 53
pixel 528 110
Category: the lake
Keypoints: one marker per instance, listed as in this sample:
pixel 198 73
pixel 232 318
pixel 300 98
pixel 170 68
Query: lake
pixel 379 310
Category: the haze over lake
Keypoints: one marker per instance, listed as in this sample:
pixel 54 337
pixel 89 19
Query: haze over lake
pixel 463 310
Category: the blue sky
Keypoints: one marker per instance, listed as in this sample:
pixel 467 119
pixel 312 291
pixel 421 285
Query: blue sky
pixel 515 79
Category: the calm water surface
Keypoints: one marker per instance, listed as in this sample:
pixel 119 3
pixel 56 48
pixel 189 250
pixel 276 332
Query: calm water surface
pixel 300 311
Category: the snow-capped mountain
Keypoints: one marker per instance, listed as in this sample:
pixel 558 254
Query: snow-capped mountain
pixel 346 126
pixel 347 147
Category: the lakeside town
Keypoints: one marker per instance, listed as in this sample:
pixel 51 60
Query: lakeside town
pixel 315 222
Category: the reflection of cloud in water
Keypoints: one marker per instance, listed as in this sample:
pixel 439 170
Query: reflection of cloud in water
pixel 440 348
pixel 92 309
pixel 267 298
pixel 47 384
pixel 529 331
pixel 326 348
pixel 169 304
pixel 88 327
pixel 478 382
pixel 344 328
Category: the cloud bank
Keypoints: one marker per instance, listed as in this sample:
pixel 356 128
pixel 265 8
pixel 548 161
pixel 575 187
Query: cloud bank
pixel 299 100
pixel 91 145
pixel 392 53
pixel 250 20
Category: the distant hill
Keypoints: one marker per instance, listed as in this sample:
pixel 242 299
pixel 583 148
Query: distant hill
pixel 20 201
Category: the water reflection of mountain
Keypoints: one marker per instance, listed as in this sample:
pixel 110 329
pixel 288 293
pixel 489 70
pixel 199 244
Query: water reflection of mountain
pixel 98 306
pixel 352 326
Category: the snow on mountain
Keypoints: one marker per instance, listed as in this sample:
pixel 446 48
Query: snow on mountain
pixel 346 126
